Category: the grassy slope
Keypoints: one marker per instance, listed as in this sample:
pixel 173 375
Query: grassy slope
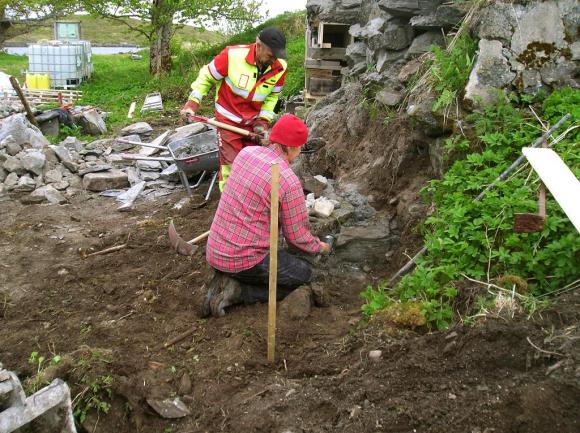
pixel 118 80
pixel 117 33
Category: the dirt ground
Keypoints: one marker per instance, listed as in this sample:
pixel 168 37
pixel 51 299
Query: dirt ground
pixel 107 315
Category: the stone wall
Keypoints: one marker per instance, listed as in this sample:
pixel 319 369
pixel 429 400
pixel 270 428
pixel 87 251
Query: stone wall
pixel 524 46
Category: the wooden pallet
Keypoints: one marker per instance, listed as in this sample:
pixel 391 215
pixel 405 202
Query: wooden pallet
pixel 47 96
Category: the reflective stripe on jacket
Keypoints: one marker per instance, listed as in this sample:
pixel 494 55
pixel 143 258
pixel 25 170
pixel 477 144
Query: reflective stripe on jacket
pixel 241 96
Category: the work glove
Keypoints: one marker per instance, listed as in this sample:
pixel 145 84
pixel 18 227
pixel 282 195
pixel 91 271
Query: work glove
pixel 261 130
pixel 189 109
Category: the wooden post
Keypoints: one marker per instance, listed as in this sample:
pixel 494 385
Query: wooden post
pixel 18 90
pixel 273 263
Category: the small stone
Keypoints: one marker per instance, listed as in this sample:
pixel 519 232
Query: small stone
pixel 12 147
pixel 169 408
pixel 141 128
pixel 323 207
pixel 122 147
pixel 33 160
pixel 94 168
pixel 452 396
pixel 14 165
pixel 61 186
pixel 297 305
pixel 50 194
pixel 451 335
pixel 185 386
pixel 389 97
pixel 375 355
pixel 102 181
pixel 320 295
pixel 62 153
pixel 314 185
pixel 449 346
pixel 149 165
pixel 11 180
pixel 482 388
pixel 25 184
pixel 355 412
pixel 71 166
pixel 72 144
pixel 53 176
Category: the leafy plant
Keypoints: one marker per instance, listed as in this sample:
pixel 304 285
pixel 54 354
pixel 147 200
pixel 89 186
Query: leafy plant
pixel 94 396
pixel 450 69
pixel 476 238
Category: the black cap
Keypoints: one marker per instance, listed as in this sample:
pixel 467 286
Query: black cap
pixel 275 40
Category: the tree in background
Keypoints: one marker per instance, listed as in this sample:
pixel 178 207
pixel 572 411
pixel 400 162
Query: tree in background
pixel 20 16
pixel 164 16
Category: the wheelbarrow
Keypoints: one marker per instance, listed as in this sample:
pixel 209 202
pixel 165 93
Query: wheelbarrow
pixel 187 165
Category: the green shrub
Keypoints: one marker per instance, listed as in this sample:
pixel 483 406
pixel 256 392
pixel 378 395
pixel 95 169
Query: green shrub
pixel 476 239
pixel 450 69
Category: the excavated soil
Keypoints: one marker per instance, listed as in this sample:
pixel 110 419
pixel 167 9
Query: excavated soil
pixel 108 316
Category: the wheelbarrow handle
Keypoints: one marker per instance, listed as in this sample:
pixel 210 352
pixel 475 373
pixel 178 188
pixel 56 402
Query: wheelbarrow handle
pixel 222 125
pixel 135 157
pixel 138 143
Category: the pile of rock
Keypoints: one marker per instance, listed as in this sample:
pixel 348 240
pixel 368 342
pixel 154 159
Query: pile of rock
pixel 34 171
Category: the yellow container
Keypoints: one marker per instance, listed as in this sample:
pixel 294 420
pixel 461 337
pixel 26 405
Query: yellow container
pixel 31 81
pixel 43 81
pixel 38 81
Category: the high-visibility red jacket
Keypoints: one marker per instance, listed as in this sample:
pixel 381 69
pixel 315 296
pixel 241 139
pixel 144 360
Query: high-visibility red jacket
pixel 241 95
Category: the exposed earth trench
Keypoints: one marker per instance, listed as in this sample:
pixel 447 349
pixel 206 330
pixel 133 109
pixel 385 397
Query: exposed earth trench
pixel 107 315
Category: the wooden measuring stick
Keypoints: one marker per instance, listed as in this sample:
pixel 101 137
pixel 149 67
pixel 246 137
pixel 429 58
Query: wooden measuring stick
pixel 273 263
pixel 18 90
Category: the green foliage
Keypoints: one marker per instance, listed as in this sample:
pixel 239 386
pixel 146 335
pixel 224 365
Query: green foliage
pixel 450 69
pixel 376 299
pixel 476 239
pixel 95 396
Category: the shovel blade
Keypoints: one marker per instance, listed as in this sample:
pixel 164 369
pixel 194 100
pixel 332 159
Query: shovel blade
pixel 178 244
pixel 528 223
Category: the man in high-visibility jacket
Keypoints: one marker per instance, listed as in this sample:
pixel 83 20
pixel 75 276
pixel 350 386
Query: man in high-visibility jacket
pixel 248 80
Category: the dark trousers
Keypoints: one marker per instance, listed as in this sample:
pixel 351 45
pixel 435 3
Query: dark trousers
pixel 292 273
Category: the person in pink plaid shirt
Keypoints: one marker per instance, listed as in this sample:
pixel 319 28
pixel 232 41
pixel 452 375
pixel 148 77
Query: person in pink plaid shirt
pixel 239 238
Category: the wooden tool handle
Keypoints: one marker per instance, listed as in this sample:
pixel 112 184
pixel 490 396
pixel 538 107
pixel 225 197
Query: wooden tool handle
pixel 222 125
pixel 20 94
pixel 273 263
pixel 201 237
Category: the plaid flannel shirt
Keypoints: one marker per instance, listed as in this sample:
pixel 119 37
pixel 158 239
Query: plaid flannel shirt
pixel 240 233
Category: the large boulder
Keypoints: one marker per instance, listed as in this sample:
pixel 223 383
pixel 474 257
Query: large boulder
pixel 102 181
pixel 22 131
pixel 490 73
pixel 539 30
pixel 92 123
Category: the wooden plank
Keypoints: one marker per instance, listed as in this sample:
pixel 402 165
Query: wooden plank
pixel 328 53
pixel 273 276
pixel 559 180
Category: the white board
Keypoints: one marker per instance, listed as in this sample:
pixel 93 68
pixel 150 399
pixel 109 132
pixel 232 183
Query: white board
pixel 559 180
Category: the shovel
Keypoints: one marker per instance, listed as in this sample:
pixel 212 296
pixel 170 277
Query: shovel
pixel 185 248
pixel 531 222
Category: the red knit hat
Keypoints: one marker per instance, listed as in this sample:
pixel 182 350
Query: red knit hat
pixel 289 131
